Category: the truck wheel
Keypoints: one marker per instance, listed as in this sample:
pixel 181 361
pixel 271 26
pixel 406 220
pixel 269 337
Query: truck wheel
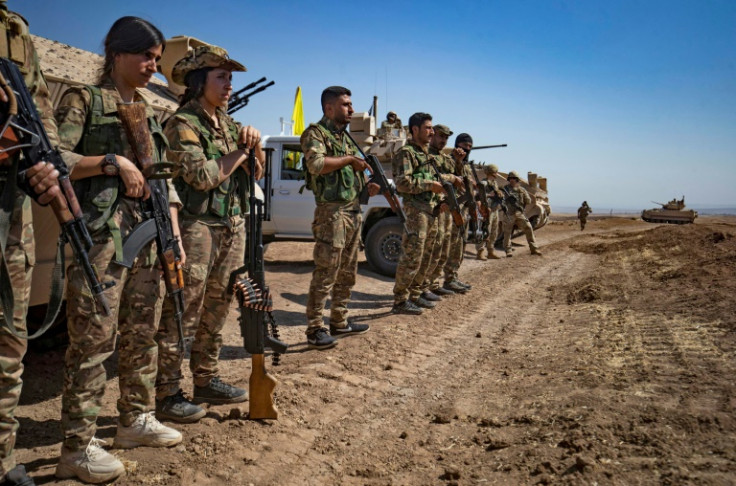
pixel 383 245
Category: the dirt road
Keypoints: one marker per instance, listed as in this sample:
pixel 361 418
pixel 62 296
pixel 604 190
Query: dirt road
pixel 609 360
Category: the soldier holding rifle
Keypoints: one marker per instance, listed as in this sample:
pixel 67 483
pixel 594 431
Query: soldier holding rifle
pixel 210 151
pixel 336 177
pixel 492 189
pixel 17 234
pixel 113 191
pixel 516 200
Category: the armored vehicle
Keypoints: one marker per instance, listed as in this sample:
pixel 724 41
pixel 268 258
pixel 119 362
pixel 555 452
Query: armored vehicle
pixel 672 212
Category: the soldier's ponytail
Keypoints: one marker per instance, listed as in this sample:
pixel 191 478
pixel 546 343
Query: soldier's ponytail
pixel 194 81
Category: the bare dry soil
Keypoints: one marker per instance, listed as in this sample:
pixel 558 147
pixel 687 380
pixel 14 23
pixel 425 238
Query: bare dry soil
pixel 609 360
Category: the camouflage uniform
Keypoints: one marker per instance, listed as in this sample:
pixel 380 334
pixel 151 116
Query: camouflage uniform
pixel 89 124
pixel 457 241
pixel 15 44
pixel 336 225
pixel 493 219
pixel 516 218
pixel 583 212
pixel 414 176
pixel 441 250
pixel 213 235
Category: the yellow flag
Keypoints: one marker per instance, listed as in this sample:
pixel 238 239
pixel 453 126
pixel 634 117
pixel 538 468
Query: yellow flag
pixel 297 116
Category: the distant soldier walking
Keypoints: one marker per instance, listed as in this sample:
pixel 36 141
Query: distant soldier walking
pixel 583 212
pixel 336 177
pixel 516 200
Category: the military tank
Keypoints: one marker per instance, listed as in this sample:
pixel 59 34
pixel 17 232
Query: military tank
pixel 672 212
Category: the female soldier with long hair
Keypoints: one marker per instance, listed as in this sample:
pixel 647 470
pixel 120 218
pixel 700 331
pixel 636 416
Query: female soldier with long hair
pixel 209 150
pixel 111 189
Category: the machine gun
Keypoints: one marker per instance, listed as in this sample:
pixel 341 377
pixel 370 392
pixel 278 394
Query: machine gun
pixel 481 147
pixel 157 224
pixel 22 129
pixel 455 211
pixel 257 325
pixel 387 188
pixel 240 98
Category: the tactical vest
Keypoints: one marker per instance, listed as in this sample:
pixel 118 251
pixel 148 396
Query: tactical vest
pixel 99 195
pixel 343 185
pixel 14 38
pixel 423 171
pixel 228 199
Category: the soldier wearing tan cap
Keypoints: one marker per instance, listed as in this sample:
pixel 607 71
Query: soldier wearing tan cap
pixel 492 189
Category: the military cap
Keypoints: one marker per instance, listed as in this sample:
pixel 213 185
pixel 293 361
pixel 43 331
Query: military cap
pixel 201 57
pixel 513 175
pixel 491 169
pixel 443 129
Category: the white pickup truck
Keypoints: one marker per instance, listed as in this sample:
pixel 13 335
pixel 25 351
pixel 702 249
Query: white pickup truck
pixel 292 212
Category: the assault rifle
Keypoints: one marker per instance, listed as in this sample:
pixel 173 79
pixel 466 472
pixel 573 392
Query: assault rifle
pixel 257 325
pixel 23 128
pixel 387 188
pixel 157 224
pixel 451 200
pixel 510 197
pixel 485 208
pixel 240 98
pixel 475 226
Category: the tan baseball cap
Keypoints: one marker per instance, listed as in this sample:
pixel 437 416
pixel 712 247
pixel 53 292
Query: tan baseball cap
pixel 204 56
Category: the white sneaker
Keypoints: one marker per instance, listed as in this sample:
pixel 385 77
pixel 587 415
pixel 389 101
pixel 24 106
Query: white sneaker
pixel 92 465
pixel 146 431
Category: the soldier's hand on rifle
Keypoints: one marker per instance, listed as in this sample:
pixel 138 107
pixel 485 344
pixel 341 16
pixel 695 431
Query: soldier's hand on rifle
pixel 135 183
pixel 373 189
pixel 437 188
pixel 44 178
pixel 458 183
pixel 249 137
pixel 358 164
pixel 458 154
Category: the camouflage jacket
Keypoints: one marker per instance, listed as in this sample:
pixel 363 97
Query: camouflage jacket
pixel 414 177
pixel 522 198
pixel 445 164
pixel 195 144
pixel 322 140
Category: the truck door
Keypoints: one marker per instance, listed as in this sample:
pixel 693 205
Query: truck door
pixel 291 213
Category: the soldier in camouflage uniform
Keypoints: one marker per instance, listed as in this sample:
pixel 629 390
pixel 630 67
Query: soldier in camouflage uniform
pixel 491 189
pixel 583 212
pixel 19 256
pixel 441 251
pixel 418 185
pixel 210 152
pixel 515 217
pixel 110 188
pixel 335 176
pixel 464 142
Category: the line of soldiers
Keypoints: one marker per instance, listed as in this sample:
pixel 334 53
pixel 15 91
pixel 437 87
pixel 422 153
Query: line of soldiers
pixel 432 244
pixel 206 196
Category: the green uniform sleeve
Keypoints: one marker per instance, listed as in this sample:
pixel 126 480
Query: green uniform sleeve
pixel 404 164
pixel 70 119
pixel 315 150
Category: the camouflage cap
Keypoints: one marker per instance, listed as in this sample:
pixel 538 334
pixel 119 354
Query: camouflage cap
pixel 491 169
pixel 203 56
pixel 443 129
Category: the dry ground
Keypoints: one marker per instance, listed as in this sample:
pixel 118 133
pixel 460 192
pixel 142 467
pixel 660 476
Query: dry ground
pixel 609 360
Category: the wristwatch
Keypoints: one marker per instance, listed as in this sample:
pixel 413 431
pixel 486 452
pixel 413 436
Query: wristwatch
pixel 110 166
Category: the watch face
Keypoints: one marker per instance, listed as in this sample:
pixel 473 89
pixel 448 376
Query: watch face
pixel 109 169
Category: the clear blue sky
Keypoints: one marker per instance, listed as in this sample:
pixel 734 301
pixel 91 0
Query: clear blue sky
pixel 617 102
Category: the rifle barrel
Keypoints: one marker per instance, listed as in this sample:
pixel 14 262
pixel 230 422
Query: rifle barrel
pixel 481 147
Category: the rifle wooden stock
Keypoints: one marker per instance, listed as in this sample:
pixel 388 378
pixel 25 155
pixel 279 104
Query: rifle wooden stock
pixel 260 387
pixel 135 122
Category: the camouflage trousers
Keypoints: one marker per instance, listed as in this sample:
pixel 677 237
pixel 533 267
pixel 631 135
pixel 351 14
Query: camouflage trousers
pixel 442 247
pixel 135 305
pixel 336 229
pixel 517 220
pixel 492 233
pixel 213 252
pixel 456 253
pixel 582 223
pixel 416 252
pixel 19 257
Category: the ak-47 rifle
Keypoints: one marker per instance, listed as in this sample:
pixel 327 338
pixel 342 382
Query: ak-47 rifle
pixel 240 98
pixel 387 188
pixel 157 223
pixel 475 221
pixel 485 208
pixel 451 200
pixel 22 129
pixel 257 325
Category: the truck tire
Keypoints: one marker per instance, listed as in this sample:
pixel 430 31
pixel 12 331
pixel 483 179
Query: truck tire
pixel 383 245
